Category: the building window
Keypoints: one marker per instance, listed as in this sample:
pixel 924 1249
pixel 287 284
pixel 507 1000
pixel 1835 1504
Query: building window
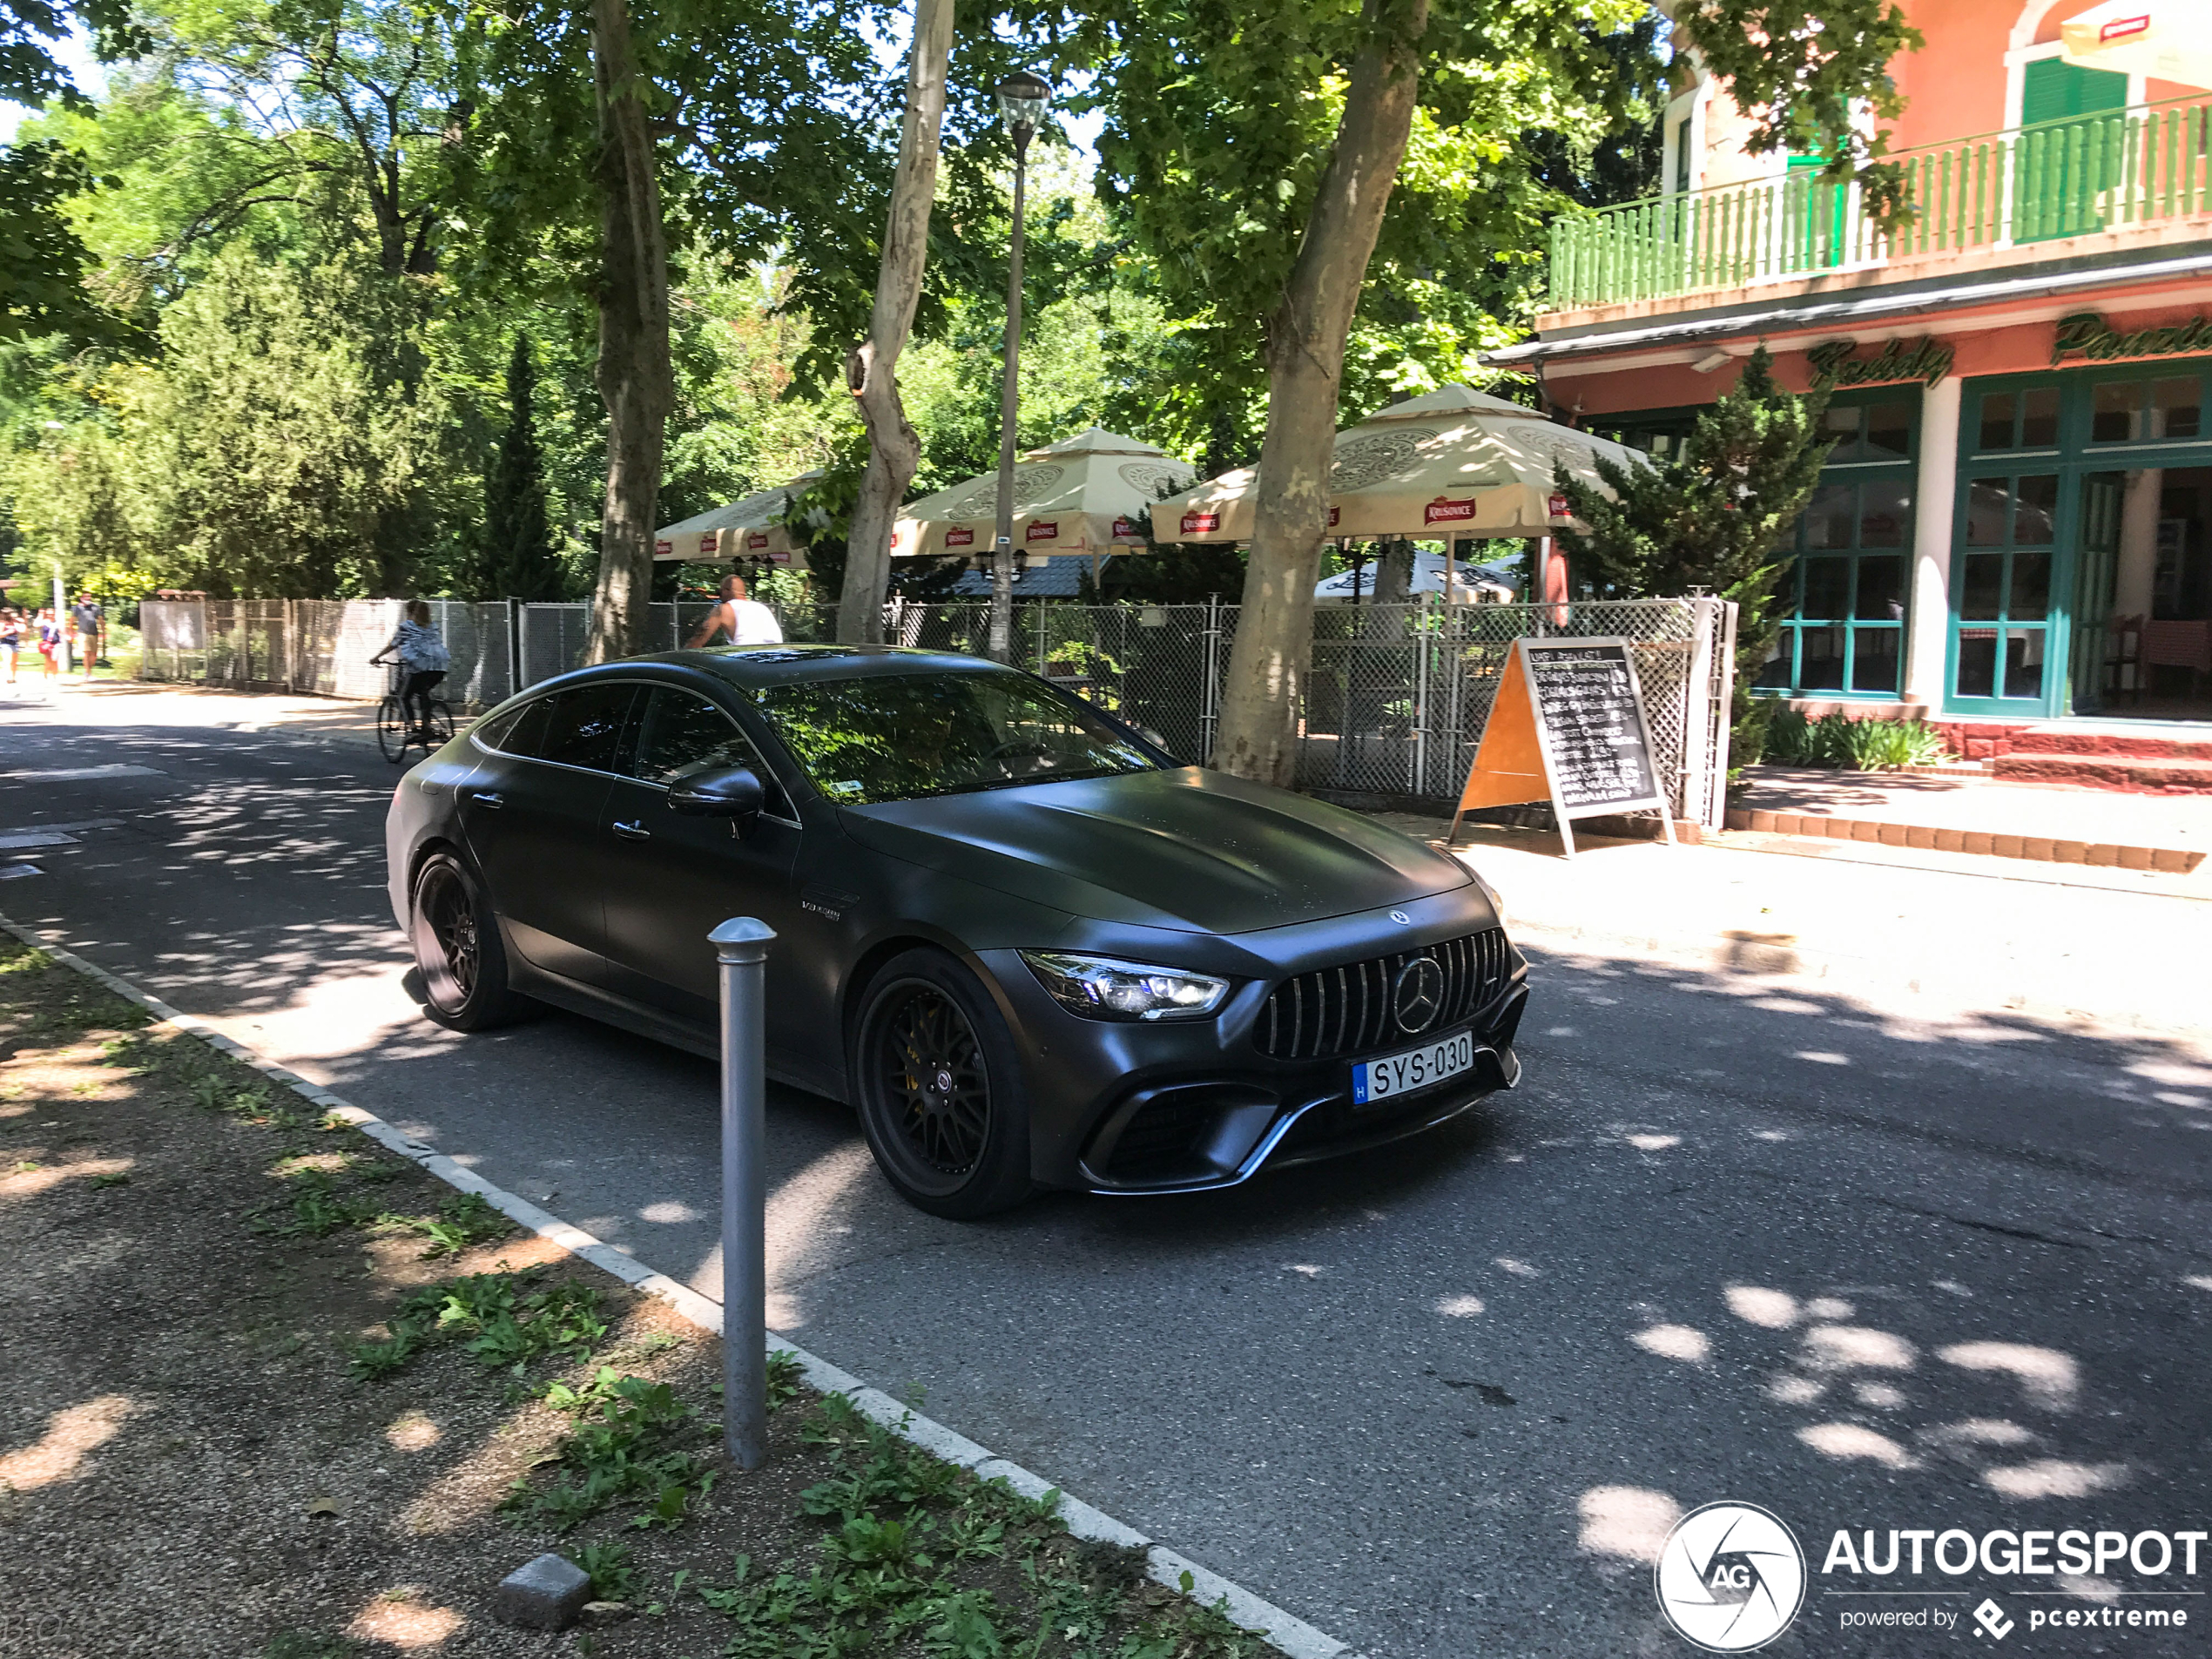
pixel 1844 594
pixel 2145 411
pixel 2003 584
pixel 2019 420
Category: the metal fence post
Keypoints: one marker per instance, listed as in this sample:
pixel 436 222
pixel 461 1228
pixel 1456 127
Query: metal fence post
pixel 1207 712
pixel 741 947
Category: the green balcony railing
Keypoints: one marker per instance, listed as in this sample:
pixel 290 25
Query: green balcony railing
pixel 2138 166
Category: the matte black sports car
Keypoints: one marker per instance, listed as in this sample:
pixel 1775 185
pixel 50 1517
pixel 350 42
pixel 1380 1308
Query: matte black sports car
pixel 1029 946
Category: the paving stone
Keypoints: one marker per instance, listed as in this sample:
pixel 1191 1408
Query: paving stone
pixel 546 1594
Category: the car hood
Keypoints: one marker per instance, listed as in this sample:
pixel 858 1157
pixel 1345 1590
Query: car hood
pixel 1192 850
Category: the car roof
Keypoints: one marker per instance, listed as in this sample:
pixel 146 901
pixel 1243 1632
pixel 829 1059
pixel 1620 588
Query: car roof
pixel 752 668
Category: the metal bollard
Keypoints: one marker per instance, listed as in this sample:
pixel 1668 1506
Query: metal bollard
pixel 741 945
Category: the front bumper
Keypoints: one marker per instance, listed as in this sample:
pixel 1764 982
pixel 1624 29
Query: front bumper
pixel 1231 1128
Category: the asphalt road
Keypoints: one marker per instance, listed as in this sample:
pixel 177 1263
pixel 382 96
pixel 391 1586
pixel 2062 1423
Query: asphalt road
pixel 1868 1267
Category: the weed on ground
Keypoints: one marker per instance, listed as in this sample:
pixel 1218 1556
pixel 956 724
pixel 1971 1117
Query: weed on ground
pixel 275 1394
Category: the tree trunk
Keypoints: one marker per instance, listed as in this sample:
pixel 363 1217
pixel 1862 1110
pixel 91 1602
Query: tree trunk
pixel 636 380
pixel 1305 344
pixel 870 373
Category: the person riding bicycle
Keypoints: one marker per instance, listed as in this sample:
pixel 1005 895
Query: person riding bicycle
pixel 423 655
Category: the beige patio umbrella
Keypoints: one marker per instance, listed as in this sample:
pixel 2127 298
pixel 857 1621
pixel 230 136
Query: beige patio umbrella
pixel 749 528
pixel 1081 494
pixel 1457 462
pixel 2167 40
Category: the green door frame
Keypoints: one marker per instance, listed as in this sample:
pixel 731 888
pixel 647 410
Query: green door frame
pixel 2072 458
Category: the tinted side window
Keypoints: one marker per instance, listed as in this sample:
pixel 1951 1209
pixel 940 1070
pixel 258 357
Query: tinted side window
pixel 497 730
pixel 519 731
pixel 681 733
pixel 584 728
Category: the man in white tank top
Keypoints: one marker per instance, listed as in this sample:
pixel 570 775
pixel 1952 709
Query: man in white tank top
pixel 746 621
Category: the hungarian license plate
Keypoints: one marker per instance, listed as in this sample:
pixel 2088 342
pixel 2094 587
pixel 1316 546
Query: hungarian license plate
pixel 1376 1081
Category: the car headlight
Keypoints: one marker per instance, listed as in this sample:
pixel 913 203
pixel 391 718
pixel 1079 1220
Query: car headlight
pixel 1099 988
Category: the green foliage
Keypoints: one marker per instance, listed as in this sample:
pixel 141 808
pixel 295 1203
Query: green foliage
pixel 1838 739
pixel 464 1220
pixel 43 260
pixel 633 1439
pixel 1801 66
pixel 608 1566
pixel 1714 516
pixel 519 561
pixel 496 1319
pixel 1213 174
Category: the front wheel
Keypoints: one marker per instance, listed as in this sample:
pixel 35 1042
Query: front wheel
pixel 391 729
pixel 939 1090
pixel 458 950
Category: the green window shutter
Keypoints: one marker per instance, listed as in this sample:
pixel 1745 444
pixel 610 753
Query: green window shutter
pixel 2053 89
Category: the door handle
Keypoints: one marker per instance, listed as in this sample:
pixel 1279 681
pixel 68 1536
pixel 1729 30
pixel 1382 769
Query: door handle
pixel 634 830
pixel 486 798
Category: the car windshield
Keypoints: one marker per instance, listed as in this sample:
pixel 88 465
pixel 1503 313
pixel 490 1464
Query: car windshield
pixel 897 738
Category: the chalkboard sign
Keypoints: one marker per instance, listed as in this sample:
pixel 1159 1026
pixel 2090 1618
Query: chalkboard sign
pixel 1568 726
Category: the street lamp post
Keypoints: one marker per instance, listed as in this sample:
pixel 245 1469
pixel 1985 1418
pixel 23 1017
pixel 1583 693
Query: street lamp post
pixel 1022 97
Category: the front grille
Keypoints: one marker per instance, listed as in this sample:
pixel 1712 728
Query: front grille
pixel 1346 1010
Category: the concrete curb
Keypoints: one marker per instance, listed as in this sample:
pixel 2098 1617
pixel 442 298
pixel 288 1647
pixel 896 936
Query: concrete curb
pixel 1982 843
pixel 1291 1633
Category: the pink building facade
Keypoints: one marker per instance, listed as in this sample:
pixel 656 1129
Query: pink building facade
pixel 2016 522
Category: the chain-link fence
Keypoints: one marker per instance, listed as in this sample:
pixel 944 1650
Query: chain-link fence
pixel 323 646
pixel 1398 695
pixel 1395 699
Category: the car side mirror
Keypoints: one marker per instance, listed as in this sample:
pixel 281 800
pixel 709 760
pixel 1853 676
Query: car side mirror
pixel 734 792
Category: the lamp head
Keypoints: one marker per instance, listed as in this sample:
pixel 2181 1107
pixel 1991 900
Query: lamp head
pixel 1022 100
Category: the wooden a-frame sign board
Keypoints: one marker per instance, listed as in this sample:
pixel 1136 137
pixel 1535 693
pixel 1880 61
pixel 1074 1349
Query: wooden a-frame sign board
pixel 1568 727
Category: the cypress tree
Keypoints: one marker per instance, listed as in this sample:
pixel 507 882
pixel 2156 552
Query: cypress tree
pixel 519 561
pixel 1717 516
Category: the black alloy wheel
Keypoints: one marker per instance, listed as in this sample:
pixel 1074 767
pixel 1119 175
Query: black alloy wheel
pixel 458 950
pixel 940 1096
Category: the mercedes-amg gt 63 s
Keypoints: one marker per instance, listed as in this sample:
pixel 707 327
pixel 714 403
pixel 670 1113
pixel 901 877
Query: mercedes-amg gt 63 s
pixel 1028 945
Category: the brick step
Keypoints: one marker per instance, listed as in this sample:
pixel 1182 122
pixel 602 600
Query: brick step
pixel 1985 843
pixel 2078 743
pixel 2161 776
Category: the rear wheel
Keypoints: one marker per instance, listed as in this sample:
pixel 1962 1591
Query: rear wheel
pixel 437 731
pixel 391 729
pixel 458 949
pixel 939 1090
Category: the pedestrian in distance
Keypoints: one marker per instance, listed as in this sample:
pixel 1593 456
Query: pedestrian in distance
pixel 11 639
pixel 51 638
pixel 746 621
pixel 422 657
pixel 90 622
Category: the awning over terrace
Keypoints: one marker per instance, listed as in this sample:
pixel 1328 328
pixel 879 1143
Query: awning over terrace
pixel 750 528
pixel 1082 494
pixel 1457 462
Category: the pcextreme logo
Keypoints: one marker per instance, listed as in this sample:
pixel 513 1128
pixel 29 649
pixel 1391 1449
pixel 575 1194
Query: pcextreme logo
pixel 1730 1577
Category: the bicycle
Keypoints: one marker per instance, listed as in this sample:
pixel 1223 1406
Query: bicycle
pixel 396 733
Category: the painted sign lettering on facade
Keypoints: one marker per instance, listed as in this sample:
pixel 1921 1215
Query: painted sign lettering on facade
pixel 1927 360
pixel 2087 335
